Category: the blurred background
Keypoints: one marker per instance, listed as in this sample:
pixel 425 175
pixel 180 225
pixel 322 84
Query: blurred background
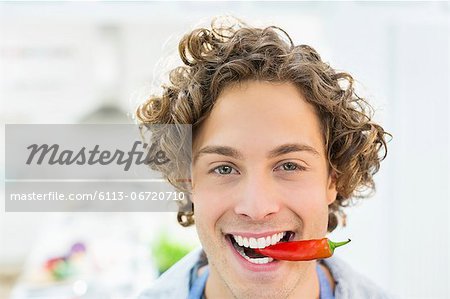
pixel 94 62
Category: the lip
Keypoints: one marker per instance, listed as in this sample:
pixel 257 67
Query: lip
pixel 250 267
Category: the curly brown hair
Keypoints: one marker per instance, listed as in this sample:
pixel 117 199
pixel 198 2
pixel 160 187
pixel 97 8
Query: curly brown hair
pixel 225 54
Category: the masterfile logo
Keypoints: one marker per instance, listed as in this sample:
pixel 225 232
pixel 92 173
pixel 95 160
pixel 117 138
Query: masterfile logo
pixel 53 155
pixel 94 167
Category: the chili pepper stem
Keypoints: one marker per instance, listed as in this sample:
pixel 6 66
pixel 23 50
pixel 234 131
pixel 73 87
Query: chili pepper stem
pixel 334 245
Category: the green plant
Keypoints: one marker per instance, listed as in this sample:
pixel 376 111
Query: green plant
pixel 167 251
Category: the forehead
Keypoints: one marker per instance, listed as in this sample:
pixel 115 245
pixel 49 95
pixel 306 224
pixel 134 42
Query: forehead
pixel 260 115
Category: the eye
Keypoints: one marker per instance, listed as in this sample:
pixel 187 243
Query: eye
pixel 291 166
pixel 222 170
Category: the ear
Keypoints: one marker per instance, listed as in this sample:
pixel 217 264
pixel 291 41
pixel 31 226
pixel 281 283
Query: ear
pixel 331 187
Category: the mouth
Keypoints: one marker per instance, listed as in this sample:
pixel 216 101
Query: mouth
pixel 245 246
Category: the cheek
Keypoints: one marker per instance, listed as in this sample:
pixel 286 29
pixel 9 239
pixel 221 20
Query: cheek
pixel 209 206
pixel 308 200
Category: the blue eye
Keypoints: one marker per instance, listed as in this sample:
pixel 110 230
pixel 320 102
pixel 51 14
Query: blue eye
pixel 291 166
pixel 223 170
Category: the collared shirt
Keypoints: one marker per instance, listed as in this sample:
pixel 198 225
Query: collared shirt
pixel 349 284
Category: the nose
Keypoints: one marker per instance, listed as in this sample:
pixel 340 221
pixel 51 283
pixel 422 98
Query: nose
pixel 258 198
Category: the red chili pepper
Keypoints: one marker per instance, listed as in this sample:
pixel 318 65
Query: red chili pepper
pixel 304 250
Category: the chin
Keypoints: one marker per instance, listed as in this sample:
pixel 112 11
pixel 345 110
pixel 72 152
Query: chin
pixel 261 292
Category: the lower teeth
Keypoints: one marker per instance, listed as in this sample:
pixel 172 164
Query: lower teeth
pixel 261 260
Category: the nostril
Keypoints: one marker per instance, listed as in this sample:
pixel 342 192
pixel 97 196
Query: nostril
pixel 256 214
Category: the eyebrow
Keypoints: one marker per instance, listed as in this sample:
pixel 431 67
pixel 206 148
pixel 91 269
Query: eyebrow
pixel 278 151
pixel 219 150
pixel 290 148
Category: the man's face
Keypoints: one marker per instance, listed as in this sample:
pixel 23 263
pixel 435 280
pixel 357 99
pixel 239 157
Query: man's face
pixel 259 171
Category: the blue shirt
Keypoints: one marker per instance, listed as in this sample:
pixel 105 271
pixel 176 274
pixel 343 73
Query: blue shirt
pixel 199 282
pixel 176 282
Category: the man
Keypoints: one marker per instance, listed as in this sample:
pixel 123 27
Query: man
pixel 280 142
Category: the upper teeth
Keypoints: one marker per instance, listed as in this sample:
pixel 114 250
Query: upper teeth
pixel 259 242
